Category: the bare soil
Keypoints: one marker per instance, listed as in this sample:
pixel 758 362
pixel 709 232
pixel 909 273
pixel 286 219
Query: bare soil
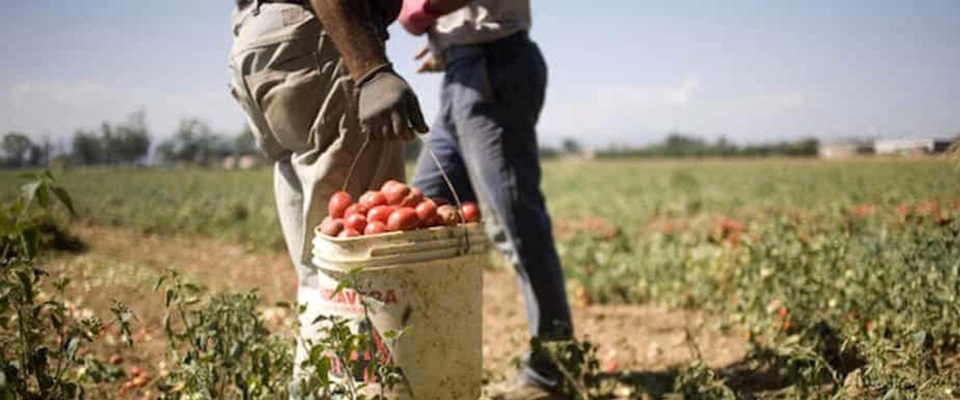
pixel 122 265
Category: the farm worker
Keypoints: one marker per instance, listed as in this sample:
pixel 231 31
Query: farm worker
pixel 314 82
pixel 485 137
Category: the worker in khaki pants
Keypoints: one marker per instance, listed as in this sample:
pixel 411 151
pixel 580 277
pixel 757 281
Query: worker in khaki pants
pixel 315 84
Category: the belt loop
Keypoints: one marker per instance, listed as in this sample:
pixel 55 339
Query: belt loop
pixel 256 7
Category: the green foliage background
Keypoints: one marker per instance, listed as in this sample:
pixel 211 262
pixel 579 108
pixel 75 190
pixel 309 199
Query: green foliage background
pixel 845 275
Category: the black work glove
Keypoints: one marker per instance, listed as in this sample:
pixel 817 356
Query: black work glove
pixel 388 109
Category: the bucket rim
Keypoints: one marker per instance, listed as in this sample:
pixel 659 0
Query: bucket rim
pixel 381 266
pixel 382 249
pixel 433 229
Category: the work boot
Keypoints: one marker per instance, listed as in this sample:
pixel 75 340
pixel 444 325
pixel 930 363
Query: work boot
pixel 522 390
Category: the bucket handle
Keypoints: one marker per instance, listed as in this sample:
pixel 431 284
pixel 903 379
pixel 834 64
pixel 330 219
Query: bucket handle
pixel 446 179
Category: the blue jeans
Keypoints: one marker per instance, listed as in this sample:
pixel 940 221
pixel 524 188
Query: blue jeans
pixel 485 138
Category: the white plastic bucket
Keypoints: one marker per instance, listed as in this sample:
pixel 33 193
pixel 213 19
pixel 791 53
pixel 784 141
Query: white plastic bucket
pixel 428 284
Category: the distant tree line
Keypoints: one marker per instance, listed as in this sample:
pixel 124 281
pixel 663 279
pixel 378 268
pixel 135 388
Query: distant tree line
pixel 126 143
pixel 129 143
pixel 678 145
pixel 20 151
pixel 569 146
pixel 195 143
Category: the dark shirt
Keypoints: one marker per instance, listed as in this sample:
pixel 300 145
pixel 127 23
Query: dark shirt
pixel 383 12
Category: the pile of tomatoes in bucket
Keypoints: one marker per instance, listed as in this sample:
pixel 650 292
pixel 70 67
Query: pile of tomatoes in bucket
pixel 395 207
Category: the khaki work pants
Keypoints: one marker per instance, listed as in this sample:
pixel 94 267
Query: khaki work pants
pixel 300 103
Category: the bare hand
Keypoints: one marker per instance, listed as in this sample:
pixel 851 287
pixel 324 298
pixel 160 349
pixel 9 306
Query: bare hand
pixel 430 63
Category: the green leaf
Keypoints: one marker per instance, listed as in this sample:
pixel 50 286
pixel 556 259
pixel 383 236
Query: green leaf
pixel 56 321
pixel 62 283
pixel 126 335
pixel 166 325
pixel 72 347
pixel 43 195
pixel 64 198
pixel 323 366
pixel 319 318
pixel 70 390
pixel 394 335
pixel 29 191
pixel 344 284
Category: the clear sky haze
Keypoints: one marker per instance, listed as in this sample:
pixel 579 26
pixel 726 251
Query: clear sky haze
pixel 621 71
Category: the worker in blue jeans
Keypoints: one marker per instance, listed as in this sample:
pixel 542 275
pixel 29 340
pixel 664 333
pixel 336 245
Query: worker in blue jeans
pixel 485 137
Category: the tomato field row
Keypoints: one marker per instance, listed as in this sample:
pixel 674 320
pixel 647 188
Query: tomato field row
pixel 238 205
pixel 844 276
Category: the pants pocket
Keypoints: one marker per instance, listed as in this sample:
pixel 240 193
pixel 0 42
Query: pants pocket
pixel 255 120
pixel 289 102
pixel 303 100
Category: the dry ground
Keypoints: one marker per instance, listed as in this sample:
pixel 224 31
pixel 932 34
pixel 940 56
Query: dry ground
pixel 123 264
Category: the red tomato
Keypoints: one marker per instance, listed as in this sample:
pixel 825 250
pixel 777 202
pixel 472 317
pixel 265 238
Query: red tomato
pixel 427 211
pixel 387 184
pixel 141 381
pixel 331 226
pixel 356 222
pixel 412 199
pixel 471 213
pixel 403 219
pixel 372 199
pixel 339 203
pixel 396 193
pixel 375 227
pixel 448 215
pixel 379 214
pixel 348 233
pixel 610 365
pixel 356 208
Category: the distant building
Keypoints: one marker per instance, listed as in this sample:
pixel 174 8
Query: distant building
pixel 845 149
pixel 241 162
pixel 248 162
pixel 912 146
pixel 229 162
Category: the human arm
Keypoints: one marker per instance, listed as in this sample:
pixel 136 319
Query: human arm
pixel 353 33
pixel 417 16
pixel 388 108
pixel 429 62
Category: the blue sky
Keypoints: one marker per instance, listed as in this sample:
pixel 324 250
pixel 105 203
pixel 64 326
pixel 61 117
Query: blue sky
pixel 621 71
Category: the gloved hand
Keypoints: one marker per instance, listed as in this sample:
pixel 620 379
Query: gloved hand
pixel 388 109
pixel 417 16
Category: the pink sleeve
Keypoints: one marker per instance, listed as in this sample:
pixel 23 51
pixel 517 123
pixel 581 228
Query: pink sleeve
pixel 417 16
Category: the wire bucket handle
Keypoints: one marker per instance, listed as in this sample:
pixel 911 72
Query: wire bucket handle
pixel 446 180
